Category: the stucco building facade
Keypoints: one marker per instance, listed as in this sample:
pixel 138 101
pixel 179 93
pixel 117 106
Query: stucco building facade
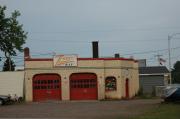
pixel 125 72
pixel 88 79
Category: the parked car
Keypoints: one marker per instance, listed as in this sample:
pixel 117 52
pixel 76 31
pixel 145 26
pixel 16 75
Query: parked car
pixel 171 93
pixel 4 99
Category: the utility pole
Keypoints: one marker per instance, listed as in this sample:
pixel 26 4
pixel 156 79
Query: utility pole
pixel 169 55
pixel 169 52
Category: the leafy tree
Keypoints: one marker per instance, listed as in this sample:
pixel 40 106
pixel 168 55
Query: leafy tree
pixel 176 72
pixel 9 65
pixel 12 36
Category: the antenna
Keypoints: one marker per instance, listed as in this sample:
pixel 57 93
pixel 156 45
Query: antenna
pixel 158 58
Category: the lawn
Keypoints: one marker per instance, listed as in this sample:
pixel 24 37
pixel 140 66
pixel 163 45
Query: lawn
pixel 163 111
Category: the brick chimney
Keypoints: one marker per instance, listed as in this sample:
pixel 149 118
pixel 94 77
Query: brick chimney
pixel 26 53
pixel 95 50
pixel 117 55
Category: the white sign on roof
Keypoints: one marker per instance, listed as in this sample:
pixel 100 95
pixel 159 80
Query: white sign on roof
pixel 65 60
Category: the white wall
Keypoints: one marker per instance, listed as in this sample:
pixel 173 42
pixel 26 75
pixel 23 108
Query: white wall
pixel 11 83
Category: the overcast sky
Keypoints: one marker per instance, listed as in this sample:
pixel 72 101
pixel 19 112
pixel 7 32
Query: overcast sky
pixel 128 27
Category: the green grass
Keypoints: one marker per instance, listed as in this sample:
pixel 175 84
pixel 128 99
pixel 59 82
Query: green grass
pixel 163 111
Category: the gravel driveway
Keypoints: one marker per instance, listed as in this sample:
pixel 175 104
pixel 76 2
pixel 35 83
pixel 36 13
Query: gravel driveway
pixel 78 109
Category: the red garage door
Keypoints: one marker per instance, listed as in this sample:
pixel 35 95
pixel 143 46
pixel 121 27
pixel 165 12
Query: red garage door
pixel 46 87
pixel 83 86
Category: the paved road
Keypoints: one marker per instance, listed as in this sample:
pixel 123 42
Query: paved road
pixel 78 109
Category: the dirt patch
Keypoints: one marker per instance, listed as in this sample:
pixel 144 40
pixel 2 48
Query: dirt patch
pixel 79 109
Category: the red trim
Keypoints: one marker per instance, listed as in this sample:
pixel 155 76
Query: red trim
pixel 106 59
pixel 50 59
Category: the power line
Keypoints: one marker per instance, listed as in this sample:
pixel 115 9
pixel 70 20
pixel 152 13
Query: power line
pixel 21 57
pixel 19 61
pixel 104 41
pixel 135 53
pixel 100 41
pixel 102 30
pixel 65 41
pixel 151 51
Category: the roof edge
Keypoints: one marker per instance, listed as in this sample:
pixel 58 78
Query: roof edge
pixel 51 59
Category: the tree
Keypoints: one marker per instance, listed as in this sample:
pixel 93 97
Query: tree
pixel 176 72
pixel 9 65
pixel 12 36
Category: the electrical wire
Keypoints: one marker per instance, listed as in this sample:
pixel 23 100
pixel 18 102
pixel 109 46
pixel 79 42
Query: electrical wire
pixel 151 51
pixel 135 53
pixel 102 30
pixel 100 41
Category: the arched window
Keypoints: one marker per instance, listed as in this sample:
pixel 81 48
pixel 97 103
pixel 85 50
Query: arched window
pixel 110 83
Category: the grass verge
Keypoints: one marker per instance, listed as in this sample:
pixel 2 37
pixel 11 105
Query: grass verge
pixel 163 111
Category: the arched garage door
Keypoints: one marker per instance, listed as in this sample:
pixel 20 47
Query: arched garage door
pixel 46 87
pixel 83 86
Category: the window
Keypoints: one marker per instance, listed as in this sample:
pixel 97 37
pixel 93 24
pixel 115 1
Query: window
pixel 110 83
pixel 39 82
